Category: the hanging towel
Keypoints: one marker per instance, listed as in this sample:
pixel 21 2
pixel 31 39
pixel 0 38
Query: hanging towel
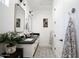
pixel 70 46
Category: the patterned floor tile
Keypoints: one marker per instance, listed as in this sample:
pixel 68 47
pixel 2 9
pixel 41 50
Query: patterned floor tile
pixel 44 52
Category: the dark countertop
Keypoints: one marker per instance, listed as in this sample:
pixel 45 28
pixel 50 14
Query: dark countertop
pixel 30 42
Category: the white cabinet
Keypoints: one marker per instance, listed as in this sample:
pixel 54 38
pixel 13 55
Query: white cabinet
pixel 29 49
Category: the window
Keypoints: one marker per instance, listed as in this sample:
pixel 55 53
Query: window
pixel 5 2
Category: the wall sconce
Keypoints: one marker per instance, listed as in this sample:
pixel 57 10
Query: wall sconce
pixel 17 4
pixel 30 12
pixel 24 4
pixel 20 1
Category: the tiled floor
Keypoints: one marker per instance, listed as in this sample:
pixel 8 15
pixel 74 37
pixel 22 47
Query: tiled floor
pixel 44 52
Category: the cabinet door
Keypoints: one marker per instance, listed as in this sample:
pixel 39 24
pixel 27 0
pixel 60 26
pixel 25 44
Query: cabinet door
pixel 35 46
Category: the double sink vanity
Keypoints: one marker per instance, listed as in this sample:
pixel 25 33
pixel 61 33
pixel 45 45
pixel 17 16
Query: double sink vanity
pixel 29 45
pixel 29 42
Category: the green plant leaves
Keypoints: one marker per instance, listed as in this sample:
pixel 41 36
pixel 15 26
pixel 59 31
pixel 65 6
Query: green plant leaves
pixel 10 37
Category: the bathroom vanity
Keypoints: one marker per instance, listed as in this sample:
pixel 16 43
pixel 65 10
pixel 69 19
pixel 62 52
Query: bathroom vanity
pixel 29 46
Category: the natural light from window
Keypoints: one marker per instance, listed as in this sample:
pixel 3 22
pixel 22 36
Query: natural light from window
pixel 5 2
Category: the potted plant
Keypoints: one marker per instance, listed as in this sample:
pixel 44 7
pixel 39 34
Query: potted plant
pixel 10 39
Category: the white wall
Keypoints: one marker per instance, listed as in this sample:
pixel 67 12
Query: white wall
pixel 7 16
pixel 61 17
pixel 0 16
pixel 37 25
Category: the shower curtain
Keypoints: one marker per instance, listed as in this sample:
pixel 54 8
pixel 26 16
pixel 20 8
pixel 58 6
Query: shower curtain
pixel 70 46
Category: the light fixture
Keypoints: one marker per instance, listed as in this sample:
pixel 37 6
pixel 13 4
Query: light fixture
pixel 30 12
pixel 17 4
pixel 20 0
pixel 24 4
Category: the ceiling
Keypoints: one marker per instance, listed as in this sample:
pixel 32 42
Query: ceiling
pixel 39 4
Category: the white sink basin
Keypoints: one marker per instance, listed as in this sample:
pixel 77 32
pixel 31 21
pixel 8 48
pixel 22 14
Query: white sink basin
pixel 28 39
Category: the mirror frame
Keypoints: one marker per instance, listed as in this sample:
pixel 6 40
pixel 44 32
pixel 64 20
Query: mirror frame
pixel 15 16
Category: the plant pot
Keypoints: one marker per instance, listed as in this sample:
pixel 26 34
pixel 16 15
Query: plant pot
pixel 10 50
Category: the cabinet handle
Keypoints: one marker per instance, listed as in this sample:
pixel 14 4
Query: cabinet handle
pixel 61 40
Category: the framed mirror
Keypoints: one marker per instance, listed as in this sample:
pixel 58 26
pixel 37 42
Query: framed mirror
pixel 19 18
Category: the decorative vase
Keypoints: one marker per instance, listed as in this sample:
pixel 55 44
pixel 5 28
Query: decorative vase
pixel 10 50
